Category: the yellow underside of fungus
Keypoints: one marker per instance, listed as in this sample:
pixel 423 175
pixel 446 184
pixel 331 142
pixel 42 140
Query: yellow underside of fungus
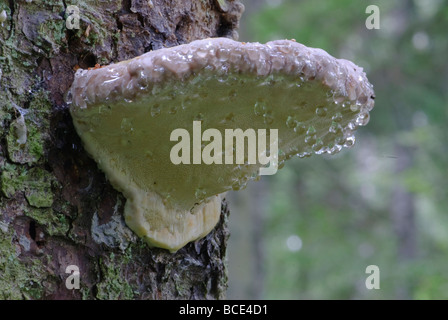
pixel 125 114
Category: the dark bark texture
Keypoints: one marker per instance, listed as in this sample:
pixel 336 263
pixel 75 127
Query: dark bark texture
pixel 56 208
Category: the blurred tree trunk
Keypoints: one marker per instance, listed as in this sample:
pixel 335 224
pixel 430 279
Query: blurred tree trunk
pixel 247 245
pixel 403 201
pixel 56 208
pixel 403 219
pixel 258 203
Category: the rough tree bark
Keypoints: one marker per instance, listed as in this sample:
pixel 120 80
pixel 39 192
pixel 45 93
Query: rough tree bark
pixel 56 207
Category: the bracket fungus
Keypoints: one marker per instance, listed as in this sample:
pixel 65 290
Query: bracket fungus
pixel 125 114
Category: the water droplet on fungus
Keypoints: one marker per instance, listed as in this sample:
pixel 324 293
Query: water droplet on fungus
pixel 155 110
pixel 291 122
pixel 321 111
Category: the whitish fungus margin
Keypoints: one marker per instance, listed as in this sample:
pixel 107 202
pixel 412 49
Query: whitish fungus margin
pixel 125 112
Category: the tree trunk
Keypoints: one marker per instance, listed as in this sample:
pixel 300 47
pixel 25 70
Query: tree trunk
pixel 403 219
pixel 56 208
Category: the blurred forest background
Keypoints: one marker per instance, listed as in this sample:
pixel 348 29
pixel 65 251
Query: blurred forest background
pixel 310 231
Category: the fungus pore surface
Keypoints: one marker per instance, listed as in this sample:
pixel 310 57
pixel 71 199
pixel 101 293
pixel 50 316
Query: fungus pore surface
pixel 126 112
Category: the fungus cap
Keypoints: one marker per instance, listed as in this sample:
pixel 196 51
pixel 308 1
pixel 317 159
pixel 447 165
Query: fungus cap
pixel 126 112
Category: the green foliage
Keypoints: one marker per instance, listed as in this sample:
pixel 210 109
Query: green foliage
pixel 342 207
